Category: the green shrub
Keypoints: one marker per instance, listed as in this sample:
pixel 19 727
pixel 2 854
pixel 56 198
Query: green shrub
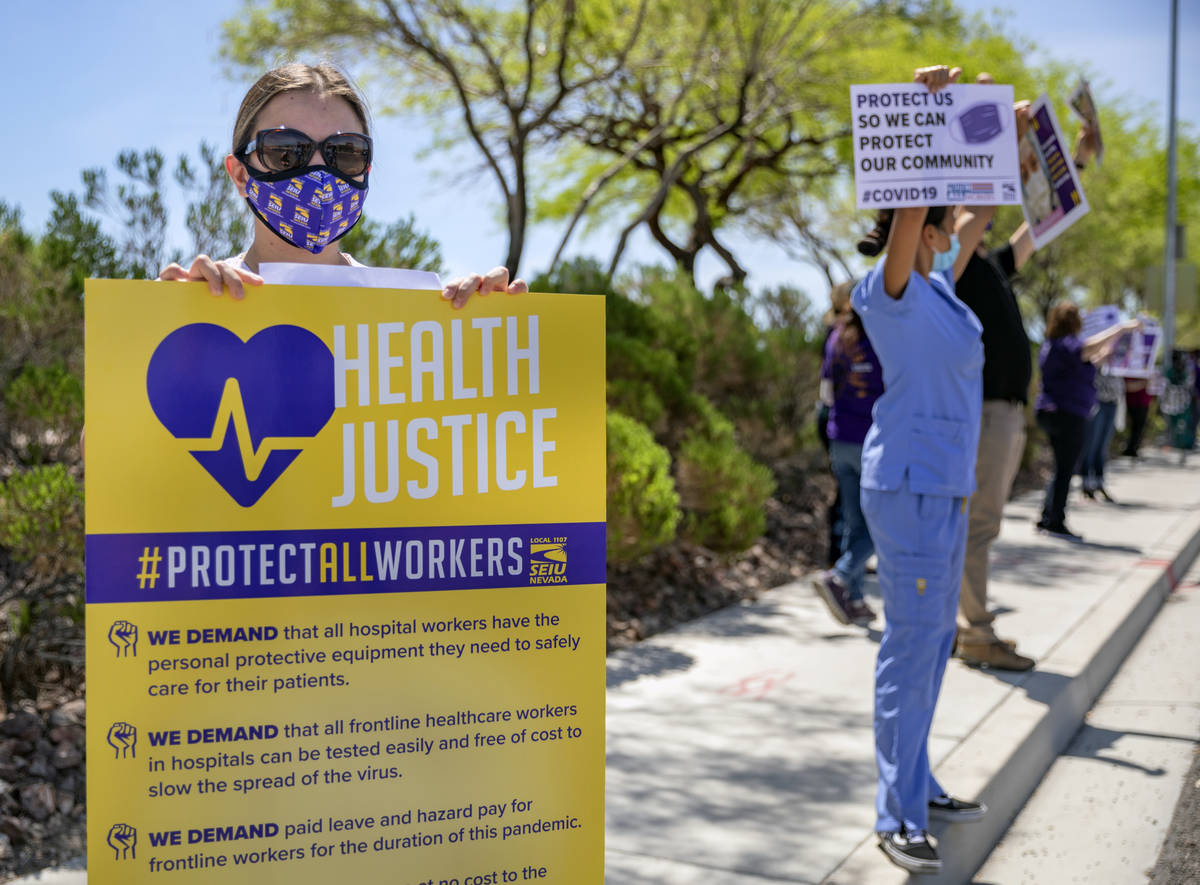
pixel 643 506
pixel 724 491
pixel 41 521
pixel 50 395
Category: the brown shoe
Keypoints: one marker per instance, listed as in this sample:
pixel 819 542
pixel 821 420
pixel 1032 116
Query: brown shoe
pixel 996 654
pixel 958 640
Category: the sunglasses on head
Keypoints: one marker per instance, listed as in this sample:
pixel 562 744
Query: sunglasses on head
pixel 284 150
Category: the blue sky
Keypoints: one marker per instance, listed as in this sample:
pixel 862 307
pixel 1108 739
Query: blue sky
pixel 139 73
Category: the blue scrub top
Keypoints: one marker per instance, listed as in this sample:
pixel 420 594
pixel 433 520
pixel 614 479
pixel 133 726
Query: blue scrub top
pixel 926 424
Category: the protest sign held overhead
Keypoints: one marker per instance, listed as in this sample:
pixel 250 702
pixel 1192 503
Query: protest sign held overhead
pixel 1084 106
pixel 1053 197
pixel 1136 353
pixel 1099 319
pixel 916 148
pixel 345 586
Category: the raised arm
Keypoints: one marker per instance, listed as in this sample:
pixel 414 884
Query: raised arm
pixel 902 249
pixel 908 222
pixel 970 224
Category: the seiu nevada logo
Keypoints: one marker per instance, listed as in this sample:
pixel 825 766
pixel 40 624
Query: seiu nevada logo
pixel 548 561
pixel 301 215
pixel 245 409
pixel 275 204
pixel 294 187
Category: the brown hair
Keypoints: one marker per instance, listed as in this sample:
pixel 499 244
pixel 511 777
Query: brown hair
pixel 1063 320
pixel 323 80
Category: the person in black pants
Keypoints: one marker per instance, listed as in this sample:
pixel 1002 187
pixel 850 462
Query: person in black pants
pixel 1137 406
pixel 1065 401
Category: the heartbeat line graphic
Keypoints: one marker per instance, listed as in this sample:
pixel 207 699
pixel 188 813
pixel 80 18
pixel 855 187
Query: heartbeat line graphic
pixel 231 408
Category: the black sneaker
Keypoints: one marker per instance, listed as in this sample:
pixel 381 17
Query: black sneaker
pixel 955 810
pixel 911 851
pixel 835 596
pixel 1058 530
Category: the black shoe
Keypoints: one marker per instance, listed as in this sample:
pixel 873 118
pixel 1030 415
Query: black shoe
pixel 955 810
pixel 911 851
pixel 1058 530
pixel 1090 494
pixel 835 595
pixel 1103 493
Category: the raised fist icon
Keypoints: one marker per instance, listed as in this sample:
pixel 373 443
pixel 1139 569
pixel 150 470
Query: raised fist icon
pixel 124 635
pixel 122 838
pixel 122 737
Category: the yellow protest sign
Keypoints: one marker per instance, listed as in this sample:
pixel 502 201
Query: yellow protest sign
pixel 345 602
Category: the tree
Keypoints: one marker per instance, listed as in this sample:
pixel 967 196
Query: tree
pixel 500 74
pixel 137 206
pixel 400 244
pixel 727 100
pixel 216 218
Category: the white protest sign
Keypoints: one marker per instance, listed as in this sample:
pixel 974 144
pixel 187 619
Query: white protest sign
pixel 1098 319
pixel 1136 353
pixel 916 148
pixel 1053 196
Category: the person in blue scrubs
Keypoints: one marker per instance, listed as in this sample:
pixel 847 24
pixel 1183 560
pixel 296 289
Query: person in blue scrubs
pixel 918 473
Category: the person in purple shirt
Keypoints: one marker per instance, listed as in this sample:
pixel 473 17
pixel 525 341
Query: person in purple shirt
pixel 851 381
pixel 1065 400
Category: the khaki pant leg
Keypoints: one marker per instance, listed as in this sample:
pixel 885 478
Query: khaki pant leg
pixel 1001 443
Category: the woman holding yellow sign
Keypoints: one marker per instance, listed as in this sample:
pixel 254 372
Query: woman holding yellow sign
pixel 918 469
pixel 301 158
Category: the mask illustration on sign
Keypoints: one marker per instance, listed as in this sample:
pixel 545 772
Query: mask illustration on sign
pixel 309 210
pixel 945 260
pixel 979 123
pixel 247 407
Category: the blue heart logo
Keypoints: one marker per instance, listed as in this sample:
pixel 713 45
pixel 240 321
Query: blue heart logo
pixel 249 406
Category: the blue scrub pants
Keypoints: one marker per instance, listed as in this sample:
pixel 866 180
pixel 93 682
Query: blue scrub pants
pixel 920 541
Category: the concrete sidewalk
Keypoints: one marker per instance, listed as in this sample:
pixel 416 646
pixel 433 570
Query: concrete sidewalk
pixel 740 746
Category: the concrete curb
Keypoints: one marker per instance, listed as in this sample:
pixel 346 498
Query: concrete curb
pixel 1037 719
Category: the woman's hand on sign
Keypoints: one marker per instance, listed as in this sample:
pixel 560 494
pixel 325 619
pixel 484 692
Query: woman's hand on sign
pixel 219 275
pixel 458 290
pixel 937 77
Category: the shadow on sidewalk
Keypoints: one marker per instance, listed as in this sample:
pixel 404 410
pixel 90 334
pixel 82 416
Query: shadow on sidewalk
pixel 1037 565
pixel 1090 740
pixel 650 660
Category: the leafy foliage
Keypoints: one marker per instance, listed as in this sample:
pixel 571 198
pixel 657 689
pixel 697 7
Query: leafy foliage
pixel 715 388
pixel 643 506
pixel 400 244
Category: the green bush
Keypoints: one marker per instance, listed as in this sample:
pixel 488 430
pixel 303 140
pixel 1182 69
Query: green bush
pixel 724 491
pixel 719 379
pixel 643 506
pixel 41 521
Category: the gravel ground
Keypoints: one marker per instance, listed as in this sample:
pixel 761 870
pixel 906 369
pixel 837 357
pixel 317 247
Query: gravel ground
pixel 1179 861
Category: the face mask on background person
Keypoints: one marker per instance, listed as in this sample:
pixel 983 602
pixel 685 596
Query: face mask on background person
pixel 945 260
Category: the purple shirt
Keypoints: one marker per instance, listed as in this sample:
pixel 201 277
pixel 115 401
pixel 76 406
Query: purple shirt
pixel 1068 380
pixel 857 382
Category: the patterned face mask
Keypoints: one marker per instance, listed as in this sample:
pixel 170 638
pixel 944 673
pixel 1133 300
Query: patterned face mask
pixel 308 208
